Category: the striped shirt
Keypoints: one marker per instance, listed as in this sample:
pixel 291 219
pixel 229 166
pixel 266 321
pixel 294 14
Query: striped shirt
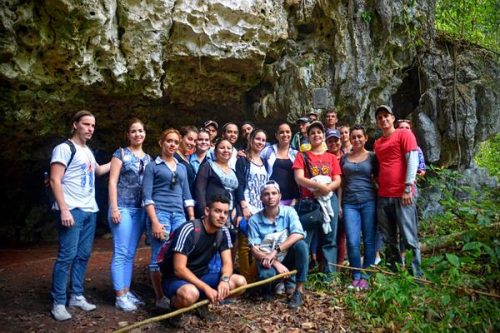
pixel 199 254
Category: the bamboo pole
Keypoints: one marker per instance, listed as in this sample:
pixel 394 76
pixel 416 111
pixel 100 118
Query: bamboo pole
pixel 204 302
pixel 424 281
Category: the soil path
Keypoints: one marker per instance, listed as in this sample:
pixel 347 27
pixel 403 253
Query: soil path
pixel 25 277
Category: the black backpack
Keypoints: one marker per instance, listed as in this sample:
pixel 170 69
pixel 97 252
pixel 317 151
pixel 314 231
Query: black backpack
pixel 161 259
pixel 48 189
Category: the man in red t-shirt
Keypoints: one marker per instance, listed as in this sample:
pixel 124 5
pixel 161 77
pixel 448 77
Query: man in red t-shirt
pixel 397 154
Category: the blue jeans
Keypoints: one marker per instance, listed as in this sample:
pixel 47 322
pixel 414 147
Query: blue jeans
pixel 75 247
pixel 171 221
pixel 126 236
pixel 296 258
pixel 328 242
pixel 392 216
pixel 360 218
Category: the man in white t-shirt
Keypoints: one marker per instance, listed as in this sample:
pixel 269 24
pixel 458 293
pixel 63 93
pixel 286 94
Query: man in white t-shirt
pixel 72 179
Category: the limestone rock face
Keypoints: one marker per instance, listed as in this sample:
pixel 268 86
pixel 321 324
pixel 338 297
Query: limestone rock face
pixel 245 59
pixel 180 62
pixel 460 103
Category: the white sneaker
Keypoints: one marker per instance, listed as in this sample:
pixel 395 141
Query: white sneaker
pixel 377 260
pixel 135 299
pixel 59 312
pixel 81 302
pixel 125 304
pixel 163 303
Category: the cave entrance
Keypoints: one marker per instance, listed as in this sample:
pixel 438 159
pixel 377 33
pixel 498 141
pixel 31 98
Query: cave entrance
pixel 407 97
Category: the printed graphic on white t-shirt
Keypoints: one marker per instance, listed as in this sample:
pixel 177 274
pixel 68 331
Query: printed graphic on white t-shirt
pixel 257 177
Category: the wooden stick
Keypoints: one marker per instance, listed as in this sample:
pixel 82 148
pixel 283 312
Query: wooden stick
pixel 380 270
pixel 204 302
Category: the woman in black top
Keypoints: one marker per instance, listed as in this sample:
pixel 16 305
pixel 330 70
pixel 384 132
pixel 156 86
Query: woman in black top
pixel 216 178
pixel 279 159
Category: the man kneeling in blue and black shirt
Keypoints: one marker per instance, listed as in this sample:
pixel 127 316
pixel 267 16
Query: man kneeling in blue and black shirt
pixel 186 276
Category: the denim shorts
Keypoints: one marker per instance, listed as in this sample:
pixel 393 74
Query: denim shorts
pixel 171 221
pixel 171 285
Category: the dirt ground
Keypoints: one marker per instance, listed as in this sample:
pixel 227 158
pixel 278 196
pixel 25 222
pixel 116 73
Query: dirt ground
pixel 25 277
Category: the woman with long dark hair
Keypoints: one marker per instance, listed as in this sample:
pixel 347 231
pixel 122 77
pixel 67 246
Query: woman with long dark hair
pixel 216 178
pixel 127 218
pixel 359 207
pixel 252 175
pixel 279 159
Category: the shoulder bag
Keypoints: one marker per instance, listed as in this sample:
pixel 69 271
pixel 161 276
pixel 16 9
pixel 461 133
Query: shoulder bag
pixel 308 209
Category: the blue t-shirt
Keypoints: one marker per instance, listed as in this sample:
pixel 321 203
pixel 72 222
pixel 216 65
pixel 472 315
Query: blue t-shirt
pixel 129 187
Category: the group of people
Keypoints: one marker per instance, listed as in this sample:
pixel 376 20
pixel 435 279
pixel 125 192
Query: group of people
pixel 205 200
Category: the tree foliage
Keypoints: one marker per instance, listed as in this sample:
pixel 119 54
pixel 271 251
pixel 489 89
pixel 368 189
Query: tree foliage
pixel 476 21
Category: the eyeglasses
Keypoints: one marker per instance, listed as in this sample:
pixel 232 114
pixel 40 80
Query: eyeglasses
pixel 174 179
pixel 404 121
pixel 141 167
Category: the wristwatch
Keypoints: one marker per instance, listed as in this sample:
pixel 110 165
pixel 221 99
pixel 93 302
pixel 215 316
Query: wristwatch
pixel 408 188
pixel 224 278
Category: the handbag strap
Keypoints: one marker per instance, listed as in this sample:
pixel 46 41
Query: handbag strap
pixel 306 162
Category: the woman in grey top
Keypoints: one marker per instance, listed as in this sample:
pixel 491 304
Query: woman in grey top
pixel 359 167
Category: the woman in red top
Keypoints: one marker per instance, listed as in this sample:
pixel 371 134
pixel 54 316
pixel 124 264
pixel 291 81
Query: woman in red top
pixel 320 163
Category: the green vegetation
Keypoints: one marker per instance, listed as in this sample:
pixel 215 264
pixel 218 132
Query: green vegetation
pixel 367 16
pixel 489 156
pixel 482 209
pixel 463 258
pixel 477 21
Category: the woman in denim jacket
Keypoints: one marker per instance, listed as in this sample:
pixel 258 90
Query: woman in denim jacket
pixel 126 216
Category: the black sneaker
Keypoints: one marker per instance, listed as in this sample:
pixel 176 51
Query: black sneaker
pixel 204 314
pixel 296 301
pixel 177 321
